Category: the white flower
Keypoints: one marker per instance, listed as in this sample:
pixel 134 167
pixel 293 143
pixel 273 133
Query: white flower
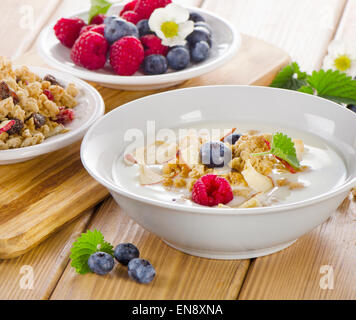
pixel 171 24
pixel 341 56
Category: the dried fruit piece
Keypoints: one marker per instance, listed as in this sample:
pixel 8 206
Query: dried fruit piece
pixel 52 80
pixel 4 91
pixel 16 127
pixel 48 94
pixel 39 120
pixel 6 125
pixel 65 116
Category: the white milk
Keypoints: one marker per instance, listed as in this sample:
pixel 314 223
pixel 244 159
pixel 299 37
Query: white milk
pixel 327 170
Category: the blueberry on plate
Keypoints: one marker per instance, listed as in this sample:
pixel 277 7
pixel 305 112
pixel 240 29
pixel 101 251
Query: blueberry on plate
pixel 199 34
pixel 215 154
pixel 196 17
pixel 125 252
pixel 101 263
pixel 143 27
pixel 141 270
pixel 351 107
pixel 205 26
pixel 232 138
pixel 118 28
pixel 199 51
pixel 155 64
pixel 178 58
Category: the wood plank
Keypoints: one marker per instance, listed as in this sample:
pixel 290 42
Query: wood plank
pixel 295 273
pixel 22 20
pixel 35 212
pixel 40 196
pixel 303 28
pixel 176 271
pixel 47 261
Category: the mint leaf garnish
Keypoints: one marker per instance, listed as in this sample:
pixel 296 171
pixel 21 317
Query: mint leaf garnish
pixel 98 7
pixel 87 244
pixel 283 147
pixel 333 85
pixel 290 77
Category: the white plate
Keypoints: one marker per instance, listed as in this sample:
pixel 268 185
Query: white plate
pixel 226 42
pixel 90 108
pixel 215 232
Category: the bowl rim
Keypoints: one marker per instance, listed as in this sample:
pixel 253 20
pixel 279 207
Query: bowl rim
pixel 66 138
pixel 209 210
pixel 175 76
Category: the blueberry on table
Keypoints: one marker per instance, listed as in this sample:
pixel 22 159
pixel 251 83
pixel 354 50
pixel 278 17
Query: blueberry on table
pixel 232 138
pixel 178 58
pixel 143 27
pixel 196 17
pixel 125 252
pixel 117 28
pixel 215 154
pixel 155 64
pixel 101 263
pixel 199 34
pixel 199 51
pixel 141 270
pixel 351 107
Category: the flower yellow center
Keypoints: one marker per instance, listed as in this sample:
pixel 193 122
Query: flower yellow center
pixel 170 29
pixel 342 62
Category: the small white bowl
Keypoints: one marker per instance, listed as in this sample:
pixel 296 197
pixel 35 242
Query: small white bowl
pixel 90 108
pixel 225 233
pixel 226 41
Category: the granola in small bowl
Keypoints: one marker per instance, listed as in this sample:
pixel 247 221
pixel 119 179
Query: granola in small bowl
pixel 42 110
pixel 32 108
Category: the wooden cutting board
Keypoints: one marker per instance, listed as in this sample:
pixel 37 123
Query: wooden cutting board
pixel 39 196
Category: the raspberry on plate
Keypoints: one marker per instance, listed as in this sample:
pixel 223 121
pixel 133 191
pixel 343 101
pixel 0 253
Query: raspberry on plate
pixel 98 19
pixel 129 7
pixel 211 190
pixel 145 7
pixel 153 45
pixel 126 56
pixel 100 28
pixel 86 29
pixel 67 30
pixel 131 16
pixel 89 51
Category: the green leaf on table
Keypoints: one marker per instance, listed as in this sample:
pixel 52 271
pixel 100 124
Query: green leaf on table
pixel 290 77
pixel 87 244
pixel 283 147
pixel 333 85
pixel 98 7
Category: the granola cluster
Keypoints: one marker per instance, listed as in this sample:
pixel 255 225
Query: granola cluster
pixel 32 105
pixel 182 176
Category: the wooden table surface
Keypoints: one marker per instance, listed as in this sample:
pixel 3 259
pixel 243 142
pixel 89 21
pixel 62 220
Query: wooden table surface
pixel 303 28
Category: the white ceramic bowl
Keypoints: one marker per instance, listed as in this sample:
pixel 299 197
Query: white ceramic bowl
pixel 224 233
pixel 90 107
pixel 226 42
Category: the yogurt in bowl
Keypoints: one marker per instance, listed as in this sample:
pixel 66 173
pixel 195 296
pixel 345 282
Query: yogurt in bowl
pixel 326 130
